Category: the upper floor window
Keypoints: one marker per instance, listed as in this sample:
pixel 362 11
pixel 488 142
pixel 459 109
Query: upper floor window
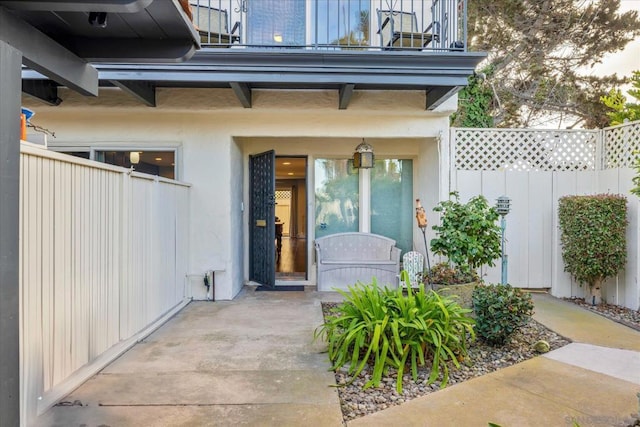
pixel 341 22
pixel 276 22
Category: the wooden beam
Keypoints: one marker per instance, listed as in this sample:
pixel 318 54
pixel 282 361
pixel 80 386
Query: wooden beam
pixel 141 90
pixel 10 64
pixel 439 94
pixel 44 55
pixel 345 93
pixel 133 50
pixel 44 90
pixel 243 92
pixel 111 6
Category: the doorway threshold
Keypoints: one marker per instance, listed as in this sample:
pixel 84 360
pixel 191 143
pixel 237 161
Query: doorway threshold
pixel 298 288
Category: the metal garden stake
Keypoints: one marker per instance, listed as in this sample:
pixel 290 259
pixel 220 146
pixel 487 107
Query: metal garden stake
pixel 503 208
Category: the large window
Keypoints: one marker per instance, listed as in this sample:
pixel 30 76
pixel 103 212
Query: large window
pixel 337 199
pixel 161 163
pixel 392 201
pixel 336 188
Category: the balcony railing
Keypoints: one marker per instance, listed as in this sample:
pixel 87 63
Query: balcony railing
pixel 419 25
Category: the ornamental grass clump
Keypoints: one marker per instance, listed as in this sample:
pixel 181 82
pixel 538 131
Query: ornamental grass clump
pixel 593 237
pixel 384 328
pixel 500 311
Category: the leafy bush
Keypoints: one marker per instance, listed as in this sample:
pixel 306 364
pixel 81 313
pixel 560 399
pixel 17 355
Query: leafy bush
pixel 445 274
pixel 468 234
pixel 593 237
pixel 386 328
pixel 500 311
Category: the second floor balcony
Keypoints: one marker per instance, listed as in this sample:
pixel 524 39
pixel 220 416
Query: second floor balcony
pixel 419 25
pixel 245 45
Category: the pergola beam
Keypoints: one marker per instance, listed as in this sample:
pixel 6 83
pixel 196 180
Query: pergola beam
pixel 344 96
pixel 44 55
pixel 44 90
pixel 439 94
pixel 111 6
pixel 243 92
pixel 134 50
pixel 142 91
pixel 10 66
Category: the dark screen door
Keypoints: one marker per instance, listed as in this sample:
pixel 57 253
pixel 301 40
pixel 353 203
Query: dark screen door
pixel 262 226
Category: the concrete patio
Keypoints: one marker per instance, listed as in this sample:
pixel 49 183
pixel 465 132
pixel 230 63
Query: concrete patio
pixel 252 361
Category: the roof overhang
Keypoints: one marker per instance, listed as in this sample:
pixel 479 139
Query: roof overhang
pixel 57 39
pixel 439 74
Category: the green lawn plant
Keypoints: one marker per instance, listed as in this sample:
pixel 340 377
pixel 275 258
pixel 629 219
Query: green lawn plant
pixel 388 328
pixel 468 234
pixel 500 311
pixel 593 236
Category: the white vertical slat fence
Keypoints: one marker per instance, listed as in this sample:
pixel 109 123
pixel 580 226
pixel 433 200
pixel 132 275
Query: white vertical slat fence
pixel 104 255
pixel 535 168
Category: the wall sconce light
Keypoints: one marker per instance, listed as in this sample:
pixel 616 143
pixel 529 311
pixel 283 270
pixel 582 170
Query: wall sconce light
pixel 134 157
pixel 277 37
pixel 363 157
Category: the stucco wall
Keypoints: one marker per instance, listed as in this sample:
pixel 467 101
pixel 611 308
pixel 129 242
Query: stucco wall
pixel 215 136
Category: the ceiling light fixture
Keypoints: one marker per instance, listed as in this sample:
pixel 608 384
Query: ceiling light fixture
pixel 134 157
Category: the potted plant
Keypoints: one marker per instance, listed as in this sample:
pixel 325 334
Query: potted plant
pixel 469 237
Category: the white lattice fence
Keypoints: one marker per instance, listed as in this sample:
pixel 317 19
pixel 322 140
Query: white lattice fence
pixel 621 145
pixel 535 168
pixel 525 149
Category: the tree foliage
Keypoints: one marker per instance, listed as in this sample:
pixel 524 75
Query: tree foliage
pixel 541 51
pixel 620 109
pixel 475 103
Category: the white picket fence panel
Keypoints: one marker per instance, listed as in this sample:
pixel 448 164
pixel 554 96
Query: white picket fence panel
pixel 535 168
pixel 104 255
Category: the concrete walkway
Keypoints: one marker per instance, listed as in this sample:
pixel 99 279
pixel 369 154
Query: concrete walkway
pixel 251 362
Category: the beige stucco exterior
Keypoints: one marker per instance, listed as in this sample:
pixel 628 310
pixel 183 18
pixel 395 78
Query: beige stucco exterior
pixel 214 136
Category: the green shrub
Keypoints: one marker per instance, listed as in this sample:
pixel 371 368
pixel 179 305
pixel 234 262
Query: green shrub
pixel 445 274
pixel 386 328
pixel 593 237
pixel 500 311
pixel 468 234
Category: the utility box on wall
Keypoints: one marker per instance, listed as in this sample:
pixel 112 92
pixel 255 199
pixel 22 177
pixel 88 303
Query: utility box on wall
pixel 210 284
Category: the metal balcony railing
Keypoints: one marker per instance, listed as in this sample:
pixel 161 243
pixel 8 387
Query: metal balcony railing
pixel 419 25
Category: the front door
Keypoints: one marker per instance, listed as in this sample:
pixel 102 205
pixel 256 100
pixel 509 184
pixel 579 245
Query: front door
pixel 262 225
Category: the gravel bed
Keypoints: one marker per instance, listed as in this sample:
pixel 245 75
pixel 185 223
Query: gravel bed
pixel 625 316
pixel 482 360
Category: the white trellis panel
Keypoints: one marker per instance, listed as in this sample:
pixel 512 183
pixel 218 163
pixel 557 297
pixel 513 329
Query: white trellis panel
pixel 621 145
pixel 525 149
pixel 535 168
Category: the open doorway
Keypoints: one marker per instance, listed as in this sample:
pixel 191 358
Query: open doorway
pixel 291 218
